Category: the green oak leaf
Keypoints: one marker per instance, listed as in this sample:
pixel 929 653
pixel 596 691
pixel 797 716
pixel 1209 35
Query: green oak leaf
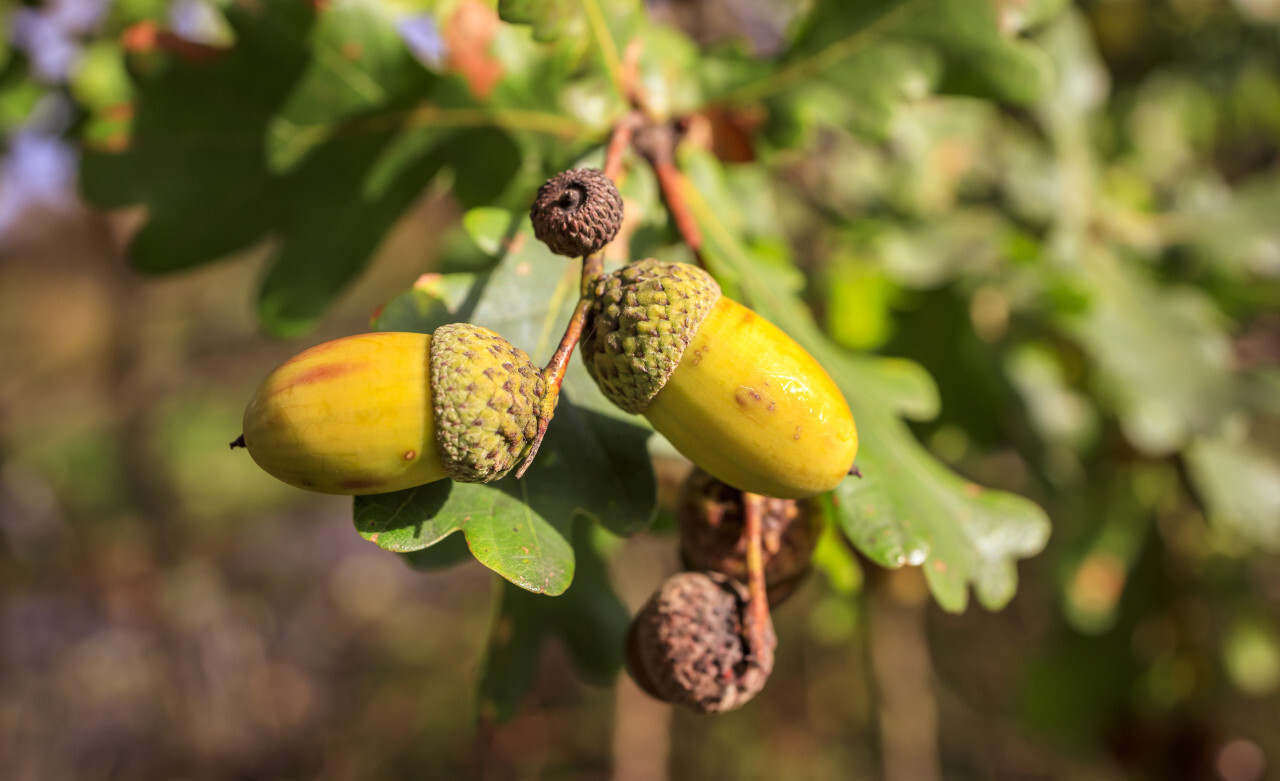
pixel 1161 352
pixel 908 508
pixel 317 129
pixel 448 552
pixel 550 19
pixel 502 532
pixel 589 619
pixel 850 65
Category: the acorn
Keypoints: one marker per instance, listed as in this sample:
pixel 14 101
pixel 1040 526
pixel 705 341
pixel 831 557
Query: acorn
pixel 688 644
pixel 379 412
pixel 577 212
pixel 731 391
pixel 710 517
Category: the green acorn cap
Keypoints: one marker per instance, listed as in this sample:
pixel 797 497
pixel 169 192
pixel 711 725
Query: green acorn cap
pixel 642 318
pixel 488 399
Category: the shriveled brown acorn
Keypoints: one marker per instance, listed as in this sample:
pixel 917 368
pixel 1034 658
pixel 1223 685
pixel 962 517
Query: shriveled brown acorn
pixel 710 519
pixel 577 212
pixel 688 645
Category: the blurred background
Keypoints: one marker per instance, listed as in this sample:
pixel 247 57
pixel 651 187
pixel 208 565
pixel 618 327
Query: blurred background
pixel 169 612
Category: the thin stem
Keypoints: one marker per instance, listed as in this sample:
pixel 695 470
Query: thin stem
pixel 759 626
pixel 559 362
pixel 555 371
pixel 592 268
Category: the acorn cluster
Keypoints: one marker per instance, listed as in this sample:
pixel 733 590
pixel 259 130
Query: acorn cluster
pixel 753 410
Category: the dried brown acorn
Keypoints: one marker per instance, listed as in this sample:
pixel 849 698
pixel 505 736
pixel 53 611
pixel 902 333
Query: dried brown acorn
pixel 688 645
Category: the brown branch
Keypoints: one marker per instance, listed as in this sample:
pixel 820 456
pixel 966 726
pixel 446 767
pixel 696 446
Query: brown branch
pixel 657 144
pixel 672 183
pixel 559 362
pixel 555 371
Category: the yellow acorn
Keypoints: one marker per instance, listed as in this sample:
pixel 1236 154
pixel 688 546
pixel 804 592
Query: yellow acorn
pixel 731 391
pixel 380 412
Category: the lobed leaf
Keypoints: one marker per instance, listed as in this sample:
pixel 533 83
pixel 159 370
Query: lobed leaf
pixel 316 128
pixel 589 619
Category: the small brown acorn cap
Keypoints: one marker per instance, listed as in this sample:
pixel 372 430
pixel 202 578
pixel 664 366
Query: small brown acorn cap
pixel 577 212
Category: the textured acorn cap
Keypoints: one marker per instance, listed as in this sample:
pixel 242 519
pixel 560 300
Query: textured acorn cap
pixel 641 320
pixel 577 212
pixel 488 399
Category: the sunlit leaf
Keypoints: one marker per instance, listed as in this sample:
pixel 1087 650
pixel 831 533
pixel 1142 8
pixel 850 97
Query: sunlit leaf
pixel 589 619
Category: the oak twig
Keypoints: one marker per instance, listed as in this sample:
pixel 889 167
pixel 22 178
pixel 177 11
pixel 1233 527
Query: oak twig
pixel 556 369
